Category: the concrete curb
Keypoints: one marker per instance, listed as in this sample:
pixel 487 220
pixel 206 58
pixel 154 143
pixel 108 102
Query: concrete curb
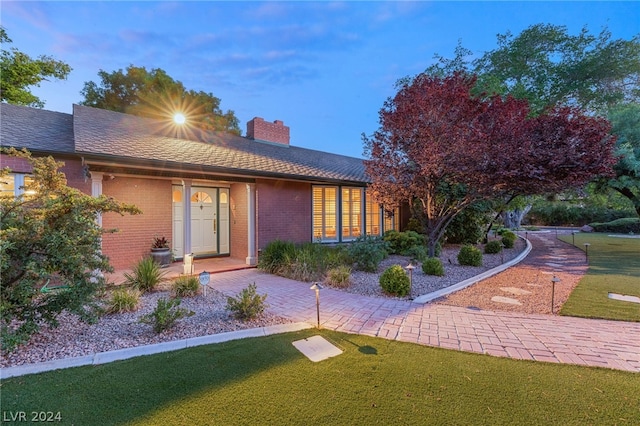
pixel 126 353
pixel 426 298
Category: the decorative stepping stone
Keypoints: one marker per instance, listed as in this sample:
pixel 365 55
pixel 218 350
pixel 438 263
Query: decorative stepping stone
pixel 508 300
pixel 515 290
pixel 624 298
pixel 316 348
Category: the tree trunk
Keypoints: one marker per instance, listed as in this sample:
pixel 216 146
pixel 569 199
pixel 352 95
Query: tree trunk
pixel 513 218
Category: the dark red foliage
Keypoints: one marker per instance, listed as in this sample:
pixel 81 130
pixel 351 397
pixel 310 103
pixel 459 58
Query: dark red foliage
pixel 441 146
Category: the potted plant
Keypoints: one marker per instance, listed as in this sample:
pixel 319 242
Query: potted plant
pixel 160 251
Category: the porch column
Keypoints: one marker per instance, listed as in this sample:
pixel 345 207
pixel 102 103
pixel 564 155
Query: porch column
pixel 186 215
pixel 96 190
pixel 251 225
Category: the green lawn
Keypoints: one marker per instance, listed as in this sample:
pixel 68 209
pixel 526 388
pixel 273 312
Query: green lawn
pixel 266 381
pixel 614 267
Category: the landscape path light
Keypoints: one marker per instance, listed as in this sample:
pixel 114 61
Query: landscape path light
pixel 553 291
pixel 586 251
pixel 317 287
pixel 410 268
pixel 573 237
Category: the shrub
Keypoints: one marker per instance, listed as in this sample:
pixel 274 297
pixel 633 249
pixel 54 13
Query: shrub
pixel 629 225
pixel 559 213
pixel 508 239
pixel 185 286
pixel 416 253
pixel 395 281
pixel 146 275
pixel 307 263
pixel 414 225
pixel 402 242
pixel 433 266
pixel 470 256
pixel 367 252
pixel 339 276
pixel 275 256
pixel 467 227
pixel 493 247
pixel 247 304
pixel 123 299
pixel 165 315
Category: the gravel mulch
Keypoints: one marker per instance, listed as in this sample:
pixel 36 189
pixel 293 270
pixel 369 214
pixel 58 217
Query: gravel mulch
pixel 74 338
pixel 116 331
pixel 368 283
pixel 528 282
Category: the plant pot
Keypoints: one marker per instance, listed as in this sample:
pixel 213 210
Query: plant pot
pixel 162 256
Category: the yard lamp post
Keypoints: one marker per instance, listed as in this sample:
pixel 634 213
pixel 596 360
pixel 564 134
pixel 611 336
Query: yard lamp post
pixel 317 287
pixel 410 268
pixel 586 251
pixel 553 291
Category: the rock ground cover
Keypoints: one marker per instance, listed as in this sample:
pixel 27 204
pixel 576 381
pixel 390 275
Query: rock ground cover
pixel 116 331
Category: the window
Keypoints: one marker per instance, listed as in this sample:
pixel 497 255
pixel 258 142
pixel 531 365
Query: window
pixel 14 184
pixel 325 215
pixel 373 216
pixel 392 220
pixel 351 213
pixel 201 197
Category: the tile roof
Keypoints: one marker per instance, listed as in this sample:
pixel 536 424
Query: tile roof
pixel 36 129
pixel 126 137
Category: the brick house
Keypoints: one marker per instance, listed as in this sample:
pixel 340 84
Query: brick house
pixel 210 193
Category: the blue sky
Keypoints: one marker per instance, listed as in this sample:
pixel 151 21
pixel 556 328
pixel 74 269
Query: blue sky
pixel 324 68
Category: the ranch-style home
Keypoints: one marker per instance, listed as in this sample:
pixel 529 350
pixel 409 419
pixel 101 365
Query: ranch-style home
pixel 209 193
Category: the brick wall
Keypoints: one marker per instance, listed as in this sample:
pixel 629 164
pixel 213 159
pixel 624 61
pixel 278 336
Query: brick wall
pixel 72 169
pixel 284 211
pixel 135 233
pixel 276 132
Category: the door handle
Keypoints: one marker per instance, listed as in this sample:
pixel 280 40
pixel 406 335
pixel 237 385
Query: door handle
pixel 215 224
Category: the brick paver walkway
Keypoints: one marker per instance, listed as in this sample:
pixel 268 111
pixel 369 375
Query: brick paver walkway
pixel 611 344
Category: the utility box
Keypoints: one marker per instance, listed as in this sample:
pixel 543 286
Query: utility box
pixel 188 264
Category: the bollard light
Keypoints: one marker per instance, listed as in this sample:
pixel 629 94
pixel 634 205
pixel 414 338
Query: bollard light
pixel 553 291
pixel 573 237
pixel 317 287
pixel 586 251
pixel 410 268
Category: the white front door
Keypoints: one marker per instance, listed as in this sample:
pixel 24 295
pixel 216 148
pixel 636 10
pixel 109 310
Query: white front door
pixel 204 221
pixel 209 225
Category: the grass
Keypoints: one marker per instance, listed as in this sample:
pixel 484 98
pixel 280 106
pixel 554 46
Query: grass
pixel 614 267
pixel 375 381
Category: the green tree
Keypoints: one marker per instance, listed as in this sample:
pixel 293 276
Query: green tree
pixel 625 122
pixel 18 72
pixel 50 255
pixel 548 67
pixel 154 94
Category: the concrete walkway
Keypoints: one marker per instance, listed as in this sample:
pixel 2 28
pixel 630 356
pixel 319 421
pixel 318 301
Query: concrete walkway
pixel 611 344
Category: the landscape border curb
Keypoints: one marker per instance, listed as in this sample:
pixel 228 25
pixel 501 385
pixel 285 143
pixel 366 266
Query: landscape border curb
pixel 136 351
pixel 426 298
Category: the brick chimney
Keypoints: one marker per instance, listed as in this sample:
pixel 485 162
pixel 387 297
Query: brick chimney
pixel 277 132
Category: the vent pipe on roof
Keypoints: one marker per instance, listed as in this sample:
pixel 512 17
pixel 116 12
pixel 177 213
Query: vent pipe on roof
pixel 277 132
